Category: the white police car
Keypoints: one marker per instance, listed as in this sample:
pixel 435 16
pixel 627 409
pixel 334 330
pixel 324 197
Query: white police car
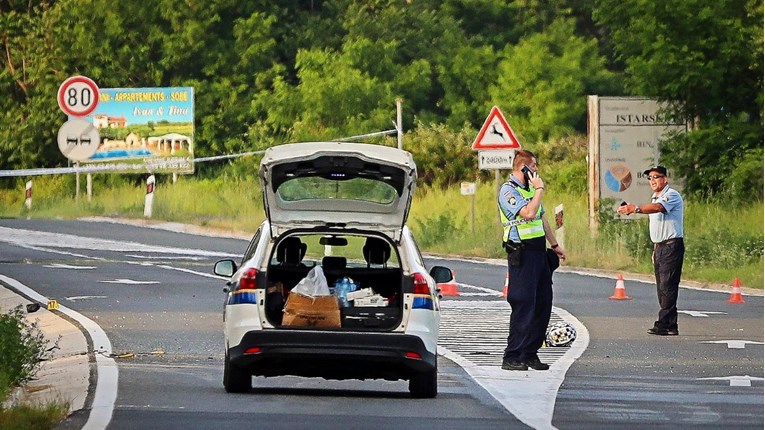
pixel 340 208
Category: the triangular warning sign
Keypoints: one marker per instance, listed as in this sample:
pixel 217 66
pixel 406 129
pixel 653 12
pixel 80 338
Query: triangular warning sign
pixel 496 133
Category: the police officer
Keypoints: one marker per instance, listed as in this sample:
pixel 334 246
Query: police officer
pixel 526 232
pixel 665 223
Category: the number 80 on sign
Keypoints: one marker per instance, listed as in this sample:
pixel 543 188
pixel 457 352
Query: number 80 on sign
pixel 78 96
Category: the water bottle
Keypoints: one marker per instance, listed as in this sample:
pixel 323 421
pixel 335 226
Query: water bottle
pixel 341 291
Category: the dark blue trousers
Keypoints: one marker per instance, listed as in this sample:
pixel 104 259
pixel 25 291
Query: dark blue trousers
pixel 668 269
pixel 529 293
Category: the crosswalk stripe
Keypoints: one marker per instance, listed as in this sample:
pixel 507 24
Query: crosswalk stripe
pixel 477 331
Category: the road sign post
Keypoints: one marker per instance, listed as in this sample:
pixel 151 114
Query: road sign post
pixel 495 136
pixel 78 96
pixel 496 159
pixel 468 189
pixel 560 233
pixel 78 139
pixel 149 200
pixel 496 133
pixel 28 195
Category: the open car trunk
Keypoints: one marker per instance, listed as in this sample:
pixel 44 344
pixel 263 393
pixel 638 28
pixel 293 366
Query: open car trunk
pixel 368 263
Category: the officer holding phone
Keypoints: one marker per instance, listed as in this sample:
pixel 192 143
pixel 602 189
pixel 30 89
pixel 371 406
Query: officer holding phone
pixel 526 233
pixel 665 224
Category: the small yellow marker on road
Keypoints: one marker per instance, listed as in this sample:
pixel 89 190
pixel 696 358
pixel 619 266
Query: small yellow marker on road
pixel 52 304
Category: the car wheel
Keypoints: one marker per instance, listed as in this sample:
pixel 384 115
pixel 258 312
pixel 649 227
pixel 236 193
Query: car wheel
pixel 235 379
pixel 424 385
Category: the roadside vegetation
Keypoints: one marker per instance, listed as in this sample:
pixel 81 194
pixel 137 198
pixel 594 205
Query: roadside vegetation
pixel 722 241
pixel 23 349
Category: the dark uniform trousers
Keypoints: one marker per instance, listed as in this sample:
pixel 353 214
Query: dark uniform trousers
pixel 668 268
pixel 530 295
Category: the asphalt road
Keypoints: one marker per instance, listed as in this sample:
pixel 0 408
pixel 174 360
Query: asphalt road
pixel 152 293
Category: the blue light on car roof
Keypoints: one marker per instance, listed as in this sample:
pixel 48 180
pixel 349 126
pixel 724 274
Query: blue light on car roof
pixel 337 175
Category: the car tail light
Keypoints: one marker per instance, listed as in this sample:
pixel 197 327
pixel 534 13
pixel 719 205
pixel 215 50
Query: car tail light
pixel 253 350
pixel 420 284
pixel 247 281
pixel 413 355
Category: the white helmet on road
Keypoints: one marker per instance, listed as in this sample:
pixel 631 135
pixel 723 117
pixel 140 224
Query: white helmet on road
pixel 560 334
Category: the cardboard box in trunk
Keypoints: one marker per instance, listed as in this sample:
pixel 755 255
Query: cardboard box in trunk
pixel 306 311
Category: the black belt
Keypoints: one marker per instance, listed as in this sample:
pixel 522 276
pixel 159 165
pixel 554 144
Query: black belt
pixel 668 241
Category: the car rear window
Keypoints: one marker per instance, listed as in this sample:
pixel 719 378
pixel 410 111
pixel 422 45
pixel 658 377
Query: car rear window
pixel 340 187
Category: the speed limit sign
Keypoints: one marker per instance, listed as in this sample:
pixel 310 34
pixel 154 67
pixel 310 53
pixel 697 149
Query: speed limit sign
pixel 78 96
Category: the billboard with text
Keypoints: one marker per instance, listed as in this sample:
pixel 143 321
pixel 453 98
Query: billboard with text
pixel 145 130
pixel 625 134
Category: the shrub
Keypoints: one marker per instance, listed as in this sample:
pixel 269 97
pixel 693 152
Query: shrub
pixel 23 346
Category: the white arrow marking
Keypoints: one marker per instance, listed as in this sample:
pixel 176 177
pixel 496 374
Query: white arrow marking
pixel 67 266
pixel 702 314
pixel 735 381
pixel 734 344
pixel 130 282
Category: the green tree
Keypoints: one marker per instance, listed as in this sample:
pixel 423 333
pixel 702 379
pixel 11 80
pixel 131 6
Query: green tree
pixel 29 115
pixel 543 81
pixel 706 60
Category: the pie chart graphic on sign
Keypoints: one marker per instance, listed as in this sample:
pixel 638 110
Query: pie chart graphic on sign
pixel 618 178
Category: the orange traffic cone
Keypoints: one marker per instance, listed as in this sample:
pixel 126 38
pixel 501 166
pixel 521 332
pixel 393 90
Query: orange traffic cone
pixel 449 288
pixel 507 283
pixel 620 293
pixel 735 292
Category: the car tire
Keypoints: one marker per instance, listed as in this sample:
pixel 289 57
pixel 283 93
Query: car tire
pixel 424 385
pixel 235 379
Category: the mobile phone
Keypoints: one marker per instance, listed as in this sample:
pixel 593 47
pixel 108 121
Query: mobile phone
pixel 526 171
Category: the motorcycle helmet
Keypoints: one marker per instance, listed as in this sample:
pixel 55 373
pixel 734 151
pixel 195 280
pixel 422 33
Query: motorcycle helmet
pixel 560 334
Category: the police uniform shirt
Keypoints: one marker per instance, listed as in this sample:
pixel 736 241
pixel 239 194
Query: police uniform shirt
pixel 511 202
pixel 668 224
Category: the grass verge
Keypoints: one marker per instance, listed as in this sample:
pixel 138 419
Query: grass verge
pixel 722 243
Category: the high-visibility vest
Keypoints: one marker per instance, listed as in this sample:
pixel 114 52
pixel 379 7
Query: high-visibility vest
pixel 527 229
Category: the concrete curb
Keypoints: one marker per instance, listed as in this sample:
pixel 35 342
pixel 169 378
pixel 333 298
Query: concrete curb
pixel 66 376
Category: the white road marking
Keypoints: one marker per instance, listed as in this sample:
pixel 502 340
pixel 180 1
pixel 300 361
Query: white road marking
pixel 106 369
pixel 193 272
pixel 75 298
pixel 68 266
pixel 487 291
pixel 31 238
pixel 734 344
pixel 129 282
pixel 530 396
pixel 166 257
pixel 735 381
pixel 701 314
pixel 494 294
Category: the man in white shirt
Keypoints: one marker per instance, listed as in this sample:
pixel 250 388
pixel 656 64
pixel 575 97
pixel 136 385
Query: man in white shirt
pixel 665 224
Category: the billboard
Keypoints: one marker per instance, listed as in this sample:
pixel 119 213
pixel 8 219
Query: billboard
pixel 145 130
pixel 624 139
